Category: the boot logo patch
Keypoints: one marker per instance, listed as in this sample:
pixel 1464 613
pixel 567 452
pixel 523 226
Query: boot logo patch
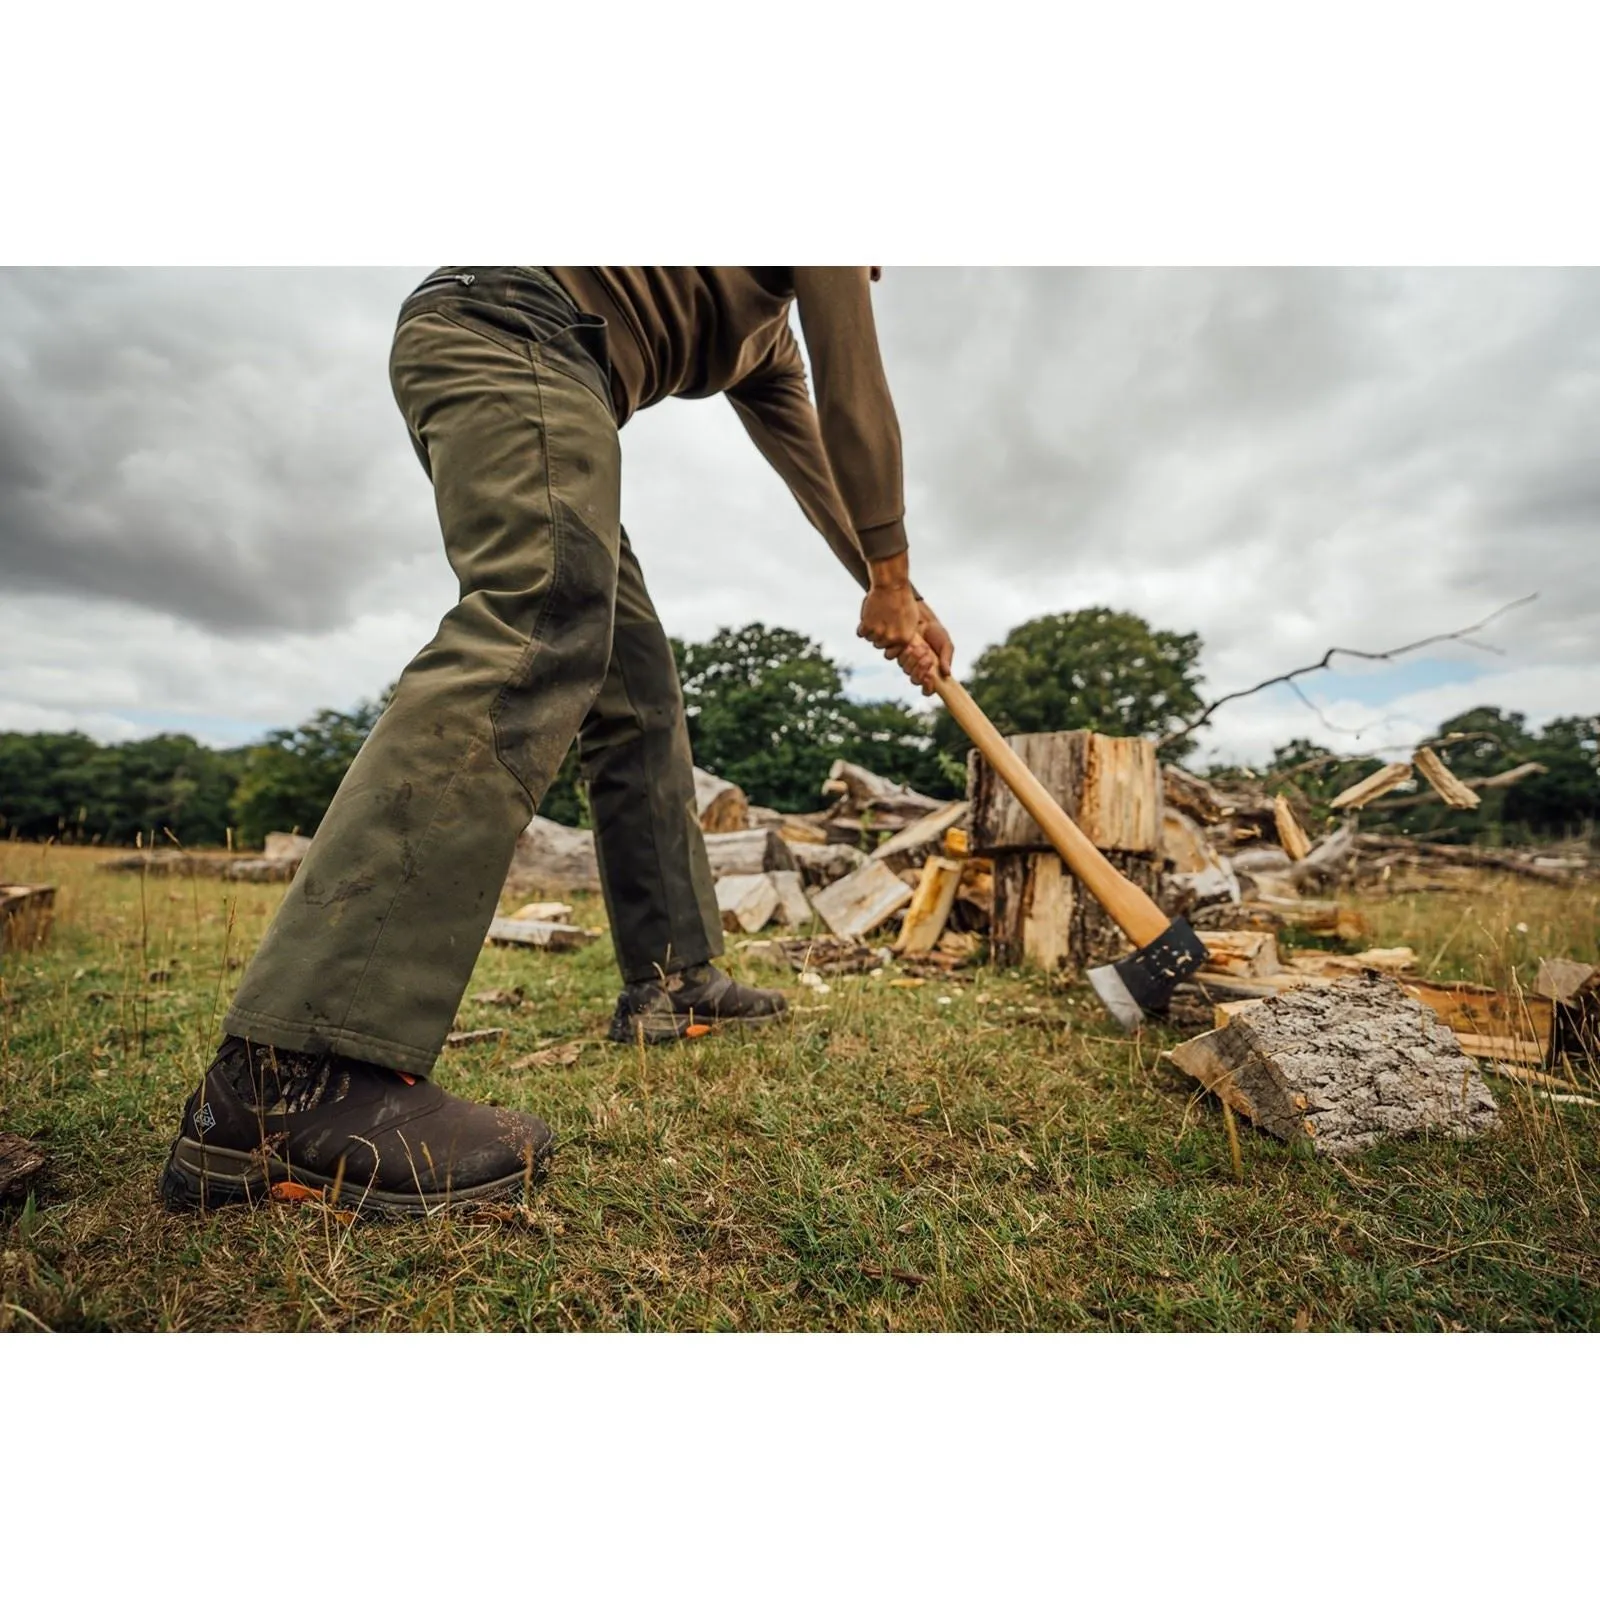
pixel 205 1119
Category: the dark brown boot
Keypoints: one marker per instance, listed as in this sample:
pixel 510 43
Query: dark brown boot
pixel 365 1137
pixel 688 1003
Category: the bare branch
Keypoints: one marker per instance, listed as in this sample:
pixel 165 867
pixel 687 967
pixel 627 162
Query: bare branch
pixel 1462 634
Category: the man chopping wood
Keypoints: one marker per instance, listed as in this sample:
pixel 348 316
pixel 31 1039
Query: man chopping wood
pixel 513 382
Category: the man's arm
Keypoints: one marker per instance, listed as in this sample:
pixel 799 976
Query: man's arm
pixel 777 412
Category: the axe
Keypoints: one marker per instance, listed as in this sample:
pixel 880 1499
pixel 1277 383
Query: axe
pixel 1166 949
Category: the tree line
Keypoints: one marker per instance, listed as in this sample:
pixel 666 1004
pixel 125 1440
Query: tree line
pixel 769 710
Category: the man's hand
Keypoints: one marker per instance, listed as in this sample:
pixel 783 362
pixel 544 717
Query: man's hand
pixel 903 627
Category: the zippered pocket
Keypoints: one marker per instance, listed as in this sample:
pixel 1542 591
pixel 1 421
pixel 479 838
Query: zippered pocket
pixel 464 280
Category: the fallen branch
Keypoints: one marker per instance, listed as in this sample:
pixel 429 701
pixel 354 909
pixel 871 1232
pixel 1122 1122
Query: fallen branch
pixel 1462 634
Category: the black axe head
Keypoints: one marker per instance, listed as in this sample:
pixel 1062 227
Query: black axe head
pixel 1143 982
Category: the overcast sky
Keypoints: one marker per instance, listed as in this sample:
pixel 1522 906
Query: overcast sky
pixel 211 519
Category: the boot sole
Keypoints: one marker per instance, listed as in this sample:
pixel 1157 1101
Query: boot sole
pixel 203 1177
pixel 663 1031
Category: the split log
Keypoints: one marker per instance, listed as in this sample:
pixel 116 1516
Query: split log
pixel 1566 982
pixel 1290 834
pixel 21 1162
pixel 1044 917
pixel 930 906
pixel 1369 788
pixel 1344 1066
pixel 543 911
pixel 865 794
pixel 722 806
pixel 1446 784
pixel 853 906
pixel 794 909
pixel 910 847
pixel 797 830
pixel 551 856
pixel 1110 787
pixel 1193 796
pixel 1325 964
pixel 1471 1008
pixel 27 914
pixel 1330 858
pixel 746 900
pixel 539 935
pixel 1197 874
pixel 821 864
pixel 752 850
pixel 286 846
pixel 1241 954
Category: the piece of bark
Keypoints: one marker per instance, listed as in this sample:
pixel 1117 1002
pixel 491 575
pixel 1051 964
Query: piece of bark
pixel 746 901
pixel 27 914
pixel 931 902
pixel 1290 834
pixel 750 851
pixel 1344 1066
pixel 1369 788
pixel 543 911
pixel 794 909
pixel 1110 787
pixel 551 856
pixel 539 935
pixel 21 1163
pixel 723 806
pixel 911 846
pixel 471 1036
pixel 822 864
pixel 1446 784
pixel 855 905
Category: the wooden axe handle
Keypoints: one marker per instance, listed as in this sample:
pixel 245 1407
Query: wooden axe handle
pixel 1130 907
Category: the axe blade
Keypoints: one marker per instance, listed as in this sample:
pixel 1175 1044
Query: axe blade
pixel 1141 983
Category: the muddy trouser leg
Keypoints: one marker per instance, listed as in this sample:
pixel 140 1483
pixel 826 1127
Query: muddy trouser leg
pixel 377 937
pixel 634 749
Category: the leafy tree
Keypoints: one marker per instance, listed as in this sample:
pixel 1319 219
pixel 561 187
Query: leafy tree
pixel 1568 794
pixel 289 779
pixel 767 710
pixel 1096 668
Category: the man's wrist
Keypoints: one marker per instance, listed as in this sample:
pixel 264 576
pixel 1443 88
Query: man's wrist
pixel 893 572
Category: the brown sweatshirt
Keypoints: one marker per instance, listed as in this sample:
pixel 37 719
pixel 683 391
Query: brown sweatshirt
pixel 698 331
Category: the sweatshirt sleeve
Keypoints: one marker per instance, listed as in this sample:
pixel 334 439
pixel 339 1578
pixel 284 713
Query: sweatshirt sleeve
pixel 778 415
pixel 860 432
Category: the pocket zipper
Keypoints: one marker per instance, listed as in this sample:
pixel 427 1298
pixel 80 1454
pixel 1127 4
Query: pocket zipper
pixel 465 279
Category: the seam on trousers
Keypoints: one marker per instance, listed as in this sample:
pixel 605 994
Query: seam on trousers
pixel 340 1036
pixel 383 927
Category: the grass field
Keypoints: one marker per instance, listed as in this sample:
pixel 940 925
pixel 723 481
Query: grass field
pixel 974 1154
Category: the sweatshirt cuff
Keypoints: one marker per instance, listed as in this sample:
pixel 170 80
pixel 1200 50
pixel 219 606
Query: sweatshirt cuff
pixel 887 539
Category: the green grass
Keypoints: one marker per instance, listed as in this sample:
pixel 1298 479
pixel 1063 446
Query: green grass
pixel 884 1160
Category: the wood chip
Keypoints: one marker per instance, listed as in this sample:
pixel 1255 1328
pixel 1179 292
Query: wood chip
pixel 470 1036
pixel 560 1055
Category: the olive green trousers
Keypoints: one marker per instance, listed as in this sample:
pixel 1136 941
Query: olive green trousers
pixel 502 383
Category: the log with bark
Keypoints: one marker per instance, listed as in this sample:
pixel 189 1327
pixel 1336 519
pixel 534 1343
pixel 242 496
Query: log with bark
pixel 912 845
pixel 27 914
pixel 551 856
pixel 722 806
pixel 1344 1066
pixel 884 804
pixel 538 935
pixel 1110 787
pixel 752 850
pixel 822 864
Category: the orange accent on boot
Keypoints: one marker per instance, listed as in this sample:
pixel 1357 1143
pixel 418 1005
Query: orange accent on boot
pixel 696 1030
pixel 295 1192
pixel 405 1078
